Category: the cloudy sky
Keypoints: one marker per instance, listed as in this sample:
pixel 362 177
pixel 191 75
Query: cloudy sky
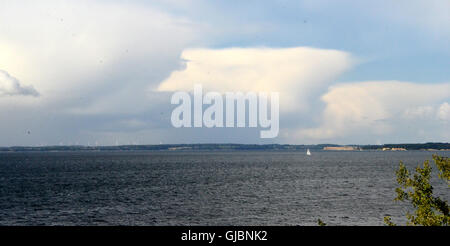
pixel 102 72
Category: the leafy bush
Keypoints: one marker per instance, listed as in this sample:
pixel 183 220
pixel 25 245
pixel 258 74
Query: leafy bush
pixel 429 209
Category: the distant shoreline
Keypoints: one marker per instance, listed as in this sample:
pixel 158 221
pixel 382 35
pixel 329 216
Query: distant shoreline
pixel 234 147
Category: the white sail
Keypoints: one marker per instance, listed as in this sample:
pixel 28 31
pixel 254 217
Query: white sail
pixel 308 152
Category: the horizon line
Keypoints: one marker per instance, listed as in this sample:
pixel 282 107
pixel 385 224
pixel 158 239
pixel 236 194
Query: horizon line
pixel 175 144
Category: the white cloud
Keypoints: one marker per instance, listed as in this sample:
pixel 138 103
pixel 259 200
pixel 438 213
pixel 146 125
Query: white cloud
pixel 89 60
pixel 10 86
pixel 443 112
pixel 296 73
pixel 69 49
pixel 421 112
pixel 379 108
pixel 92 61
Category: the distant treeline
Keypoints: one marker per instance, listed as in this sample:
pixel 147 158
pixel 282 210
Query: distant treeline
pixel 181 147
pixel 167 147
pixel 426 146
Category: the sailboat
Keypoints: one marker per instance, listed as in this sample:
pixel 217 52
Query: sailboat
pixel 308 152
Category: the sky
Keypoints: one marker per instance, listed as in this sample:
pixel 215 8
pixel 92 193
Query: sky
pixel 97 72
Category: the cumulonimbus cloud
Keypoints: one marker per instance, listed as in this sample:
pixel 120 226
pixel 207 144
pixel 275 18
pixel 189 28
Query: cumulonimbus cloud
pixel 364 110
pixel 296 73
pixel 10 86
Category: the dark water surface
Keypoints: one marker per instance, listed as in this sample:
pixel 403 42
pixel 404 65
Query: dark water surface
pixel 203 188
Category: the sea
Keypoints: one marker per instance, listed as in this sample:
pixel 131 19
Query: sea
pixel 223 188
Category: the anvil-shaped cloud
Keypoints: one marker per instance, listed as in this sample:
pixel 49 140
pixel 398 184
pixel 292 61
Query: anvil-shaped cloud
pixel 94 61
pixel 305 78
pixel 296 73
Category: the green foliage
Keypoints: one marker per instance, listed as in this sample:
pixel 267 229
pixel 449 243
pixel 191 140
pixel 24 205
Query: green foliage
pixel 388 221
pixel 443 165
pixel 429 210
pixel 321 223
